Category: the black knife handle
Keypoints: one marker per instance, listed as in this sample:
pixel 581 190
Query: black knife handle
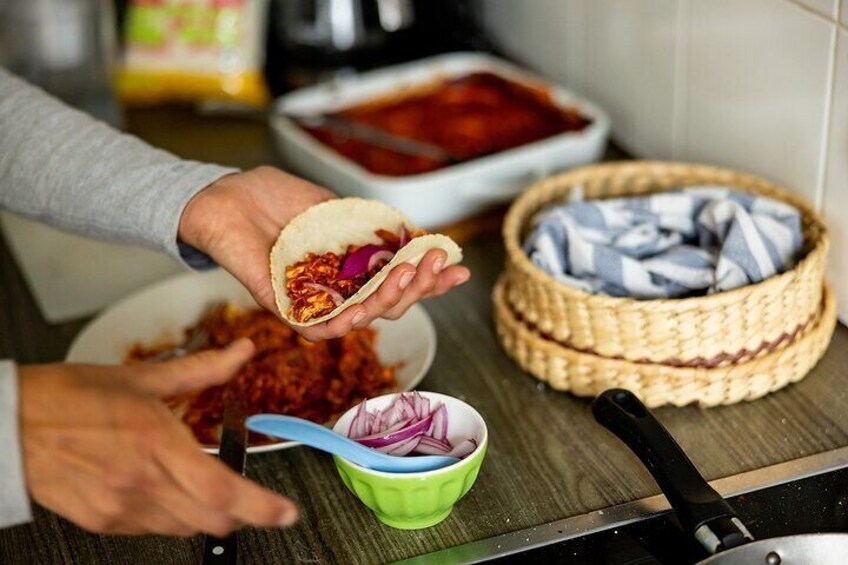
pixel 220 551
pixel 696 503
pixel 224 551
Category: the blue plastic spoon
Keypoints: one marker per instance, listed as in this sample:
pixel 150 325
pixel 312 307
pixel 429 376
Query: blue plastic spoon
pixel 325 439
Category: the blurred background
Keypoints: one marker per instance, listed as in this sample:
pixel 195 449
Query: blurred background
pixel 757 85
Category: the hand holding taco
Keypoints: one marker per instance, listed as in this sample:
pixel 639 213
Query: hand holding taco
pixel 337 254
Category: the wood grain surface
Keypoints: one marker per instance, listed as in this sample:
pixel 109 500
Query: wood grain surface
pixel 547 459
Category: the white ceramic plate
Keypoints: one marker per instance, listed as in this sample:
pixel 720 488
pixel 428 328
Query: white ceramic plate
pixel 161 312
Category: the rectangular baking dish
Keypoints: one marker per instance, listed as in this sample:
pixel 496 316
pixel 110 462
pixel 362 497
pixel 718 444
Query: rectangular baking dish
pixel 450 194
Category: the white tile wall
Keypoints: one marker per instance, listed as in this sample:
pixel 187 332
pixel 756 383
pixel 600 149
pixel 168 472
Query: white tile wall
pixel 549 34
pixel 826 8
pixel 629 43
pixel 751 84
pixel 755 87
pixel 836 179
pixel 604 49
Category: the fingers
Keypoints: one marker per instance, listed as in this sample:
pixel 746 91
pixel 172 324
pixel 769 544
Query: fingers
pixel 194 372
pixel 389 295
pixel 450 278
pixel 212 485
pixel 337 327
pixel 404 286
pixel 426 277
pixel 102 508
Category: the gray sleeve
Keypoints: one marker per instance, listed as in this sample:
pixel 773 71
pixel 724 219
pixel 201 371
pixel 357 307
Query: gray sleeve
pixel 14 502
pixel 65 168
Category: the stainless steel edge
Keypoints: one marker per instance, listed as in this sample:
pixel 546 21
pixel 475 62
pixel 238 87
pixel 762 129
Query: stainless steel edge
pixel 624 514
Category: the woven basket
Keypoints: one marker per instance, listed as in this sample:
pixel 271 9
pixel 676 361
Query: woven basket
pixel 585 374
pixel 718 330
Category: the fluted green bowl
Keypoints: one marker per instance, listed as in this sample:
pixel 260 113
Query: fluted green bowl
pixel 412 501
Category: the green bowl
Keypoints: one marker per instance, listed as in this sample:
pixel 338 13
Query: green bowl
pixel 412 501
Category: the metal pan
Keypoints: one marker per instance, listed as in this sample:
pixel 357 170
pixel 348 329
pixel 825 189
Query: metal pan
pixel 701 510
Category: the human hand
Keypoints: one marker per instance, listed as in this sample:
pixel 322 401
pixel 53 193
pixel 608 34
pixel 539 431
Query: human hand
pixel 237 219
pixel 101 449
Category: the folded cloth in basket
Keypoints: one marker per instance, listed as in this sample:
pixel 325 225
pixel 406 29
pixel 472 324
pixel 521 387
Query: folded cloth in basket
pixel 697 240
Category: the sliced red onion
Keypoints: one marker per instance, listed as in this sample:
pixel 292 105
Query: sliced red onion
pixel 383 433
pixel 384 255
pixel 395 412
pixel 403 238
pixel 334 294
pixel 441 446
pixel 408 426
pixel 402 448
pixel 408 408
pixel 416 404
pixel 440 423
pixel 410 430
pixel 359 422
pixel 464 449
pixel 357 262
pixel 377 424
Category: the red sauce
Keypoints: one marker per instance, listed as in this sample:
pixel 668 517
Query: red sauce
pixel 469 117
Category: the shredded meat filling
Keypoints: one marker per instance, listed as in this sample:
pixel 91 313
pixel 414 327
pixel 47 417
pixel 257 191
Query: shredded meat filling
pixel 305 279
pixel 288 375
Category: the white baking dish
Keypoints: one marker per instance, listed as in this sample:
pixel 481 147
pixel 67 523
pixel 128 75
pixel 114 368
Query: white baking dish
pixel 446 195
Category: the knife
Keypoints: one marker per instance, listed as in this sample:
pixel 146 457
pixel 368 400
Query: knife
pixel 224 551
pixel 378 137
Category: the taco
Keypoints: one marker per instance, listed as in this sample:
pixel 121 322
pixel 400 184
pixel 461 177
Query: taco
pixel 338 253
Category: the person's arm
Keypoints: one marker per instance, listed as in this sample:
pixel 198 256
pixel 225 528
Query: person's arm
pixel 14 502
pixel 63 167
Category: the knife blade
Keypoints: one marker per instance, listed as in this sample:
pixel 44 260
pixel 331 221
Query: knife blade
pixel 378 137
pixel 233 450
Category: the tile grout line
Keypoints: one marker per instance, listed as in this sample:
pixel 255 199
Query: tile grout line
pixel 827 126
pixel 815 12
pixel 681 68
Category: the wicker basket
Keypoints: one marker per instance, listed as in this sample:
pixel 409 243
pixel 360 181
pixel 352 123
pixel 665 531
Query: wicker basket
pixel 585 374
pixel 719 330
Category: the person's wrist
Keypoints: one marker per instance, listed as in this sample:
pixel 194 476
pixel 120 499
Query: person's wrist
pixel 200 217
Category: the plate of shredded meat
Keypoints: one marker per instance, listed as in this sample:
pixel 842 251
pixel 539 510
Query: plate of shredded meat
pixel 288 375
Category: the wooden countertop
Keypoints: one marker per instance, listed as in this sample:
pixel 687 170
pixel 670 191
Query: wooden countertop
pixel 547 460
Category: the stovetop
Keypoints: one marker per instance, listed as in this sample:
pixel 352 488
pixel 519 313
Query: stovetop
pixel 813 504
pixel 807 495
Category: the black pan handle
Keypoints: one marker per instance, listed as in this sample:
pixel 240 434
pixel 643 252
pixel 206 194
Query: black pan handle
pixel 702 511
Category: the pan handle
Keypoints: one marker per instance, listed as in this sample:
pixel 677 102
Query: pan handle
pixel 702 511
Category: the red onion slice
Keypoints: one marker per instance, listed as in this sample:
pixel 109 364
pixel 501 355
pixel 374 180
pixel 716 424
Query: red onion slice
pixel 402 448
pixel 403 238
pixel 439 445
pixel 439 429
pixel 383 433
pixel 334 294
pixel 357 262
pixel 357 425
pixel 415 428
pixel 410 425
pixel 384 255
pixel 377 424
pixel 464 449
pixel 408 408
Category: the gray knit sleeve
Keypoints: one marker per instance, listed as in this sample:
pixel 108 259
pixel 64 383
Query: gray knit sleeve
pixel 65 168
pixel 14 502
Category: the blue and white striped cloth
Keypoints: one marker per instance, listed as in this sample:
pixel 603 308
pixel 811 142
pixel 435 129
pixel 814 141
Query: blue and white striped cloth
pixel 698 240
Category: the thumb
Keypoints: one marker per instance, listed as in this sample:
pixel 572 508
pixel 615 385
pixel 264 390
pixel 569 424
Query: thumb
pixel 197 372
